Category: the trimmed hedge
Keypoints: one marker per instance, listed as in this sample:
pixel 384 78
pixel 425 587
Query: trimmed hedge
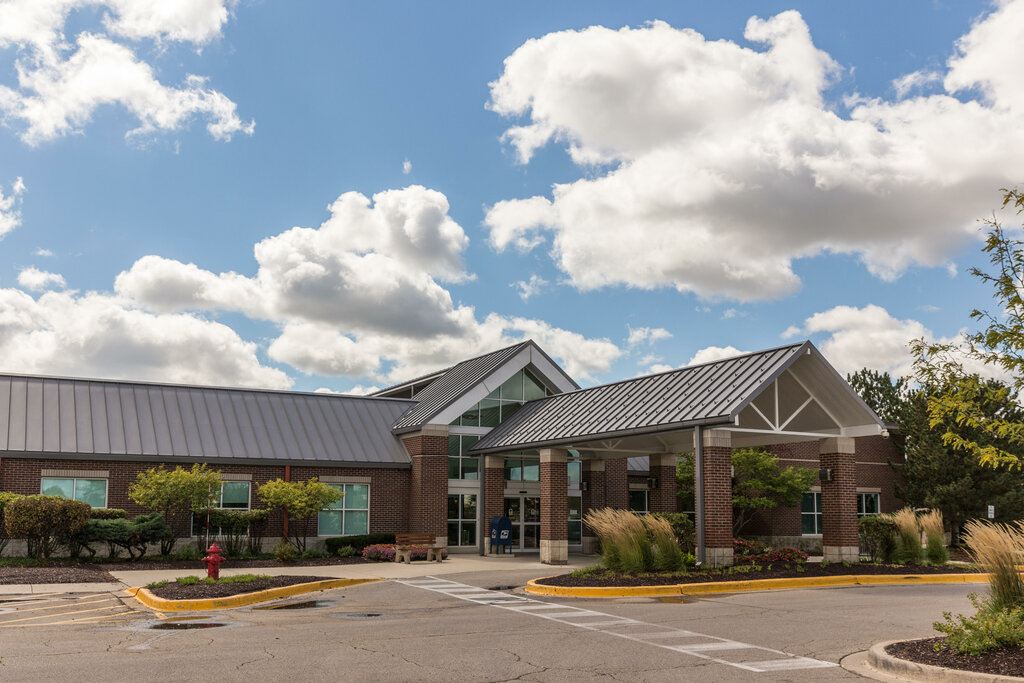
pixel 107 513
pixel 358 542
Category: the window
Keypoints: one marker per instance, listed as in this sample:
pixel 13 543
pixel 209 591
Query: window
pixel 350 515
pixel 460 465
pixel 93 492
pixel 233 495
pixel 523 468
pixel 575 471
pixel 575 520
pixel 462 519
pixel 638 501
pixel 810 513
pixel 504 401
pixel 867 504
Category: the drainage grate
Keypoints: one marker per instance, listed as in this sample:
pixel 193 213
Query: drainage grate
pixel 676 598
pixel 177 626
pixel 306 604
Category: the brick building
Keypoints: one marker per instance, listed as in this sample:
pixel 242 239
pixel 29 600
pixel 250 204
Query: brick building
pixel 504 434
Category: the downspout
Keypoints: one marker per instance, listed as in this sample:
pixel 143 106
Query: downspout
pixel 284 522
pixel 698 491
pixel 483 530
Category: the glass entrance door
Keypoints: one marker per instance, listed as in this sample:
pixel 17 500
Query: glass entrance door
pixel 524 511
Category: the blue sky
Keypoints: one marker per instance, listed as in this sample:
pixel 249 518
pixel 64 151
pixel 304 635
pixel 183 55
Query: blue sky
pixel 634 185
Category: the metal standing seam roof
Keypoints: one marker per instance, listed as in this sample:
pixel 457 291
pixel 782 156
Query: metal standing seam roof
pixel 455 382
pixel 131 420
pixel 709 393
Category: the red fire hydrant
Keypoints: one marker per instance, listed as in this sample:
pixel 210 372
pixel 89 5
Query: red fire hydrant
pixel 212 562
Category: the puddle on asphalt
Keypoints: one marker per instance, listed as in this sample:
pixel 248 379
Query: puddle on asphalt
pixel 502 588
pixel 177 626
pixel 366 615
pixel 305 604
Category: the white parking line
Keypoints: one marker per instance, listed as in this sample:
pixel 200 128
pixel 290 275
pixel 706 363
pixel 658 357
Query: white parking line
pixel 566 614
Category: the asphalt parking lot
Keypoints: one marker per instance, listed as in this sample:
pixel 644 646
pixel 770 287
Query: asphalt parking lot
pixel 455 629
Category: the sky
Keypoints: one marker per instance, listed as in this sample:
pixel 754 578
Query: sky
pixel 339 196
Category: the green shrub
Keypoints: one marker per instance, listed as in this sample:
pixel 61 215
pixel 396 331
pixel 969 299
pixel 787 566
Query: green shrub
pixel 188 580
pixel 878 534
pixel 238 528
pixel 107 513
pixel 189 551
pixel 133 536
pixel 357 542
pixel 5 498
pixel 157 584
pixel 682 527
pixel 989 628
pixel 285 551
pixel 312 554
pixel 45 522
pixel 346 551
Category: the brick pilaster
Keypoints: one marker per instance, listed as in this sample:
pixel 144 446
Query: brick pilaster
pixel 494 490
pixel 718 497
pixel 554 506
pixel 662 498
pixel 428 490
pixel 616 483
pixel 593 499
pixel 839 538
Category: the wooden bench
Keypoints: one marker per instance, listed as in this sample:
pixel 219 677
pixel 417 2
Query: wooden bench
pixel 404 544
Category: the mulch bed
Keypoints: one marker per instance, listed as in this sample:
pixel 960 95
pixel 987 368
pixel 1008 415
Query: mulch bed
pixel 198 591
pixel 1006 661
pixel 158 563
pixel 56 573
pixel 777 572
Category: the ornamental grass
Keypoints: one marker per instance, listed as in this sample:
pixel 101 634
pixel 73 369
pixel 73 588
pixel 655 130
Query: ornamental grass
pixel 998 548
pixel 935 542
pixel 908 536
pixel 634 543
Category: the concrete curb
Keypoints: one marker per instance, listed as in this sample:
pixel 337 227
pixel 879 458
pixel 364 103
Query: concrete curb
pixel 754 585
pixel 881 661
pixel 147 598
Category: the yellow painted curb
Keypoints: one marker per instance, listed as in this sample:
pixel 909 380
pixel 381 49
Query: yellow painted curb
pixel 147 598
pixel 754 585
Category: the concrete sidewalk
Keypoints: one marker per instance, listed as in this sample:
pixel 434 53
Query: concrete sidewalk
pixel 455 564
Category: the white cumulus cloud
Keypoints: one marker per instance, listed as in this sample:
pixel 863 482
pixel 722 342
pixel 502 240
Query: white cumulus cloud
pixel 712 353
pixel 37 280
pixel 10 207
pixel 98 335
pixel 60 84
pixel 361 295
pixel 710 166
pixel 649 335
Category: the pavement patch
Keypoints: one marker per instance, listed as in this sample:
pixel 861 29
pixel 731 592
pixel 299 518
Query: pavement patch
pixel 725 651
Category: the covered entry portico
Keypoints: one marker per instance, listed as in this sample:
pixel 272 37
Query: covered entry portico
pixel 771 397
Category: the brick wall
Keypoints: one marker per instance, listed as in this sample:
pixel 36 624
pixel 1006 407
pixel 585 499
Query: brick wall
pixel 663 498
pixel 388 486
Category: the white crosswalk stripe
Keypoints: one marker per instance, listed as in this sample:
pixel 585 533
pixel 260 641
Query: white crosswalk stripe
pixel 659 636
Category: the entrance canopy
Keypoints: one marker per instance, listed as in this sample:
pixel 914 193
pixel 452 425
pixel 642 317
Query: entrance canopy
pixel 781 395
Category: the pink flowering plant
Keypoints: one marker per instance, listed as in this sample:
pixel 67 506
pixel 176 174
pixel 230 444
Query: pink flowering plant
pixel 385 552
pixel 754 552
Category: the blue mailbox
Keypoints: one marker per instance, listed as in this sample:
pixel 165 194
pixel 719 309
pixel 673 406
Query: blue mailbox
pixel 501 534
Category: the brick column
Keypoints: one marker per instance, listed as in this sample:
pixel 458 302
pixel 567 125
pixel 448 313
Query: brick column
pixel 554 506
pixel 616 483
pixel 662 498
pixel 494 493
pixel 839 538
pixel 593 499
pixel 718 498
pixel 428 486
